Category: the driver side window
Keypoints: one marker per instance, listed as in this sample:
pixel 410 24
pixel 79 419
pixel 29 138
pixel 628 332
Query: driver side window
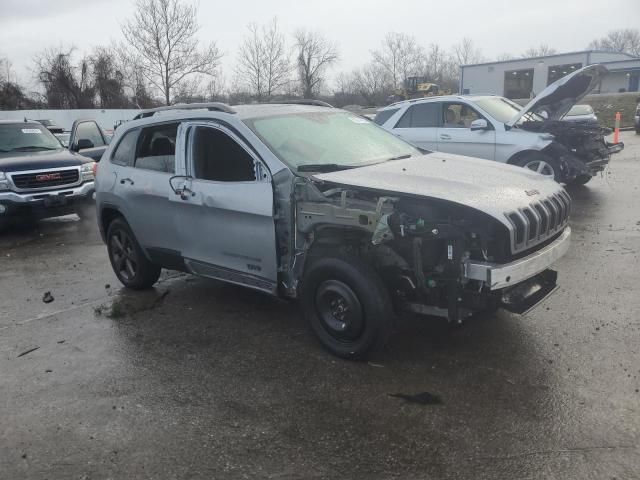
pixel 458 115
pixel 218 157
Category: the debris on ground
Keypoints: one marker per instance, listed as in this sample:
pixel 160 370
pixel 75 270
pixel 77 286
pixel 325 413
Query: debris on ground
pixel 423 398
pixel 28 351
pixel 47 297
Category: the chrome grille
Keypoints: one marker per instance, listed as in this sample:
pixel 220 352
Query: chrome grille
pixel 538 221
pixel 42 179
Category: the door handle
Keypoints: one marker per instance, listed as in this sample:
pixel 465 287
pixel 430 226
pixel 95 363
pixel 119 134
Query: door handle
pixel 122 182
pixel 185 193
pixel 445 136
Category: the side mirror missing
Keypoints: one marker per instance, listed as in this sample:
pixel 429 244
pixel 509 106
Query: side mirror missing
pixel 82 144
pixel 479 124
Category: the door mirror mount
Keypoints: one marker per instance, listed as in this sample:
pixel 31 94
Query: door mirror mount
pixel 479 124
pixel 82 144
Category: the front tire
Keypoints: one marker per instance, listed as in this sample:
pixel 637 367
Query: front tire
pixel 581 180
pixel 346 305
pixel 542 164
pixel 128 261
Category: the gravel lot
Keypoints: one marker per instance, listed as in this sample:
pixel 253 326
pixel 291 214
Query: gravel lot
pixel 197 379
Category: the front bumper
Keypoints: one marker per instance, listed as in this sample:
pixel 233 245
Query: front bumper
pixel 615 147
pixel 46 203
pixel 498 276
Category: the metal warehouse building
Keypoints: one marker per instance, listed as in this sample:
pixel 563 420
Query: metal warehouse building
pixel 526 77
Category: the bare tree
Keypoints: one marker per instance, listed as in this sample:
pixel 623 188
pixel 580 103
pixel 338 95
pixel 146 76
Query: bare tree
pixel 314 54
pixel 625 40
pixel 505 56
pixel 400 56
pixel 263 62
pixel 466 53
pixel 163 33
pixel 107 78
pixel 540 51
pixel 373 83
pixel 12 95
pixel 66 84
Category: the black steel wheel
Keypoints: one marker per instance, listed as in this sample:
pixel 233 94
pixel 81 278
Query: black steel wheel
pixel 346 305
pixel 339 310
pixel 128 261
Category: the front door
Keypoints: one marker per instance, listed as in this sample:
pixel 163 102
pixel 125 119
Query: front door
pixel 88 139
pixel 455 136
pixel 418 125
pixel 226 219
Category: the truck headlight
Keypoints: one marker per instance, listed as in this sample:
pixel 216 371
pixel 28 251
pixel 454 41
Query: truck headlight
pixel 4 182
pixel 87 171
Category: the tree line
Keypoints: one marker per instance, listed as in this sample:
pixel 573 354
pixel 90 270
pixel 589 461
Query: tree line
pixel 159 60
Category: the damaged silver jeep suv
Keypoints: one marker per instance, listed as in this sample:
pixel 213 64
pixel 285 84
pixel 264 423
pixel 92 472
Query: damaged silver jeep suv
pixel 311 202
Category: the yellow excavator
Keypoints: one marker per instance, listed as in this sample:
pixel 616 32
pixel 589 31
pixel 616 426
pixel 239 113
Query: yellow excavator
pixel 418 87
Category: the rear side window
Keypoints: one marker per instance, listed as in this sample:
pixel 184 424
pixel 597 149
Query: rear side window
pixel 422 115
pixel 218 157
pixel 90 131
pixel 384 115
pixel 157 148
pixel 126 149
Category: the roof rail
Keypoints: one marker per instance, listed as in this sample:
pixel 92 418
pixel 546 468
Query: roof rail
pixel 303 101
pixel 211 106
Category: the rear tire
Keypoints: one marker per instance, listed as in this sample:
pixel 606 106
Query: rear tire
pixel 128 261
pixel 346 305
pixel 542 164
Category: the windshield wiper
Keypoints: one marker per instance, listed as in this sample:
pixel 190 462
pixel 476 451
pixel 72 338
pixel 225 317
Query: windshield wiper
pixel 400 157
pixel 32 147
pixel 324 167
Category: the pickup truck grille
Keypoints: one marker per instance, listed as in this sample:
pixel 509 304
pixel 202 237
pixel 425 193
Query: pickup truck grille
pixel 45 179
pixel 539 221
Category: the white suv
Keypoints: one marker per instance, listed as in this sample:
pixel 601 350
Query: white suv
pixel 495 128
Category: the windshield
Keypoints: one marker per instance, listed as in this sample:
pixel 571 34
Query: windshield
pixel 504 110
pixel 328 138
pixel 580 110
pixel 26 136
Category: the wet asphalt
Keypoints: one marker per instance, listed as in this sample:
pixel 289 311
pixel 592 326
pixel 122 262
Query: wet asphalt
pixel 197 379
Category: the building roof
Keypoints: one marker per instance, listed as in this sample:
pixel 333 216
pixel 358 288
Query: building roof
pixel 630 57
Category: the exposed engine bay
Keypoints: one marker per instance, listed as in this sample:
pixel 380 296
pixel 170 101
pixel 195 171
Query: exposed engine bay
pixel 580 147
pixel 418 246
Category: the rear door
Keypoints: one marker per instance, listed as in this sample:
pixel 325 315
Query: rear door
pixel 419 125
pixel 226 220
pixel 455 136
pixel 146 162
pixel 88 139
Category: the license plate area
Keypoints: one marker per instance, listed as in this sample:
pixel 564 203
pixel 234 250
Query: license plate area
pixel 58 200
pixel 523 297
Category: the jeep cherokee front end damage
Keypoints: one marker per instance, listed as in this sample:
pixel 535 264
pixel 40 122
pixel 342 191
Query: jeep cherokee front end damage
pixel 437 257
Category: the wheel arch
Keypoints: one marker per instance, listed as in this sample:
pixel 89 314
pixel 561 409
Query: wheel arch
pixel 521 154
pixel 107 214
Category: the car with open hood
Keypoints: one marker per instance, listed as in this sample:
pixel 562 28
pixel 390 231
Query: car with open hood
pixel 40 177
pixel 496 128
pixel 318 204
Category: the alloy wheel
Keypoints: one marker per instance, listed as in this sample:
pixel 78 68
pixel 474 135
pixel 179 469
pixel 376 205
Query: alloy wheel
pixel 125 259
pixel 541 167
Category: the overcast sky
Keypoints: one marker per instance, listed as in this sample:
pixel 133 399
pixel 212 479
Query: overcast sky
pixel 356 26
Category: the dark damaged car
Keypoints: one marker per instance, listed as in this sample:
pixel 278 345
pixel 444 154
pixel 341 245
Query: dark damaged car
pixel 317 204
